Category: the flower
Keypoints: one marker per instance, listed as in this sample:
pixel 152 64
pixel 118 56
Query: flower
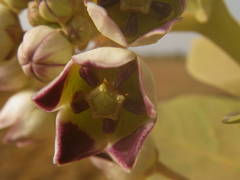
pixel 134 23
pixel 10 33
pixel 25 121
pixel 44 53
pixel 106 103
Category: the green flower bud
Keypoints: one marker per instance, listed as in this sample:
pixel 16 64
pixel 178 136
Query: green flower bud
pixel 81 29
pixel 57 10
pixel 34 17
pixel 16 5
pixel 44 52
pixel 10 33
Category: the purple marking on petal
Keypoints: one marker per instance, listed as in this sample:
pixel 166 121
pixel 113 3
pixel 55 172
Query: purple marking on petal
pixel 131 28
pixel 86 72
pixel 79 104
pixel 125 151
pixel 125 73
pixel 49 97
pixel 72 143
pixel 109 125
pixel 163 9
pixel 107 3
pixel 136 107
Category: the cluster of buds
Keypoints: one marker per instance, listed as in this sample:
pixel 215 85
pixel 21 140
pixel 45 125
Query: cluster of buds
pixel 104 97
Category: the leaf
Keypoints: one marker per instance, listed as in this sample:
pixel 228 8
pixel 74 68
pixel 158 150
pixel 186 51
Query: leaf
pixel 193 141
pixel 210 64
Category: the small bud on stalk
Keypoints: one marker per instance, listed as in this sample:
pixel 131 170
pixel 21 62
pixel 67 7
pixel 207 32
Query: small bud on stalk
pixel 44 52
pixel 34 17
pixel 81 29
pixel 10 33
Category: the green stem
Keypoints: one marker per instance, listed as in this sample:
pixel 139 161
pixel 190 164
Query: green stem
pixel 168 172
pixel 221 28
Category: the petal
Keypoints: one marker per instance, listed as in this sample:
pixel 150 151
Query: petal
pixel 77 136
pixel 61 90
pixel 105 24
pixel 49 97
pixel 154 35
pixel 105 57
pixel 126 150
pixel 147 88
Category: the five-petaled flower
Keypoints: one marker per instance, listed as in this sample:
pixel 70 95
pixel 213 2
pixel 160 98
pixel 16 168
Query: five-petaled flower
pixel 134 22
pixel 106 103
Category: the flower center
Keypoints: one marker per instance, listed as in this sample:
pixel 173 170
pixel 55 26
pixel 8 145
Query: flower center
pixel 105 102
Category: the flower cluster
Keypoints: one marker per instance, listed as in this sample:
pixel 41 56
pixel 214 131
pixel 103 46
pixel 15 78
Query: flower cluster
pixel 104 97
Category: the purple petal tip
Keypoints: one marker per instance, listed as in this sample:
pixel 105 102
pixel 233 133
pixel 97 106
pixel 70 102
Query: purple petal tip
pixel 72 144
pixel 125 151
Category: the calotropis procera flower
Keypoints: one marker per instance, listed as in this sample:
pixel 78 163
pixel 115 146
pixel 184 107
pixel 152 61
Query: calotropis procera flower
pixel 10 33
pixel 134 22
pixel 106 103
pixel 25 121
pixel 44 53
pixel 58 10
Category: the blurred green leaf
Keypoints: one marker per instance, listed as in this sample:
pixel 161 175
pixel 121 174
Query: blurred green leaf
pixel 199 9
pixel 193 141
pixel 210 64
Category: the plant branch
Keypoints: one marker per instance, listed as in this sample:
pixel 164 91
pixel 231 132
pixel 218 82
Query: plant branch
pixel 221 28
pixel 168 172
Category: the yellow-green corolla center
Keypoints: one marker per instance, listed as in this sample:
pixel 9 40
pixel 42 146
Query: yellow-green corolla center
pixel 105 102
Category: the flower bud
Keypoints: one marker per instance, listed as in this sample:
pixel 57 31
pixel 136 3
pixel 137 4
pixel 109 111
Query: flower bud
pixel 57 10
pixel 11 76
pixel 105 99
pixel 16 5
pixel 25 121
pixel 10 33
pixel 81 29
pixel 34 17
pixel 44 52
